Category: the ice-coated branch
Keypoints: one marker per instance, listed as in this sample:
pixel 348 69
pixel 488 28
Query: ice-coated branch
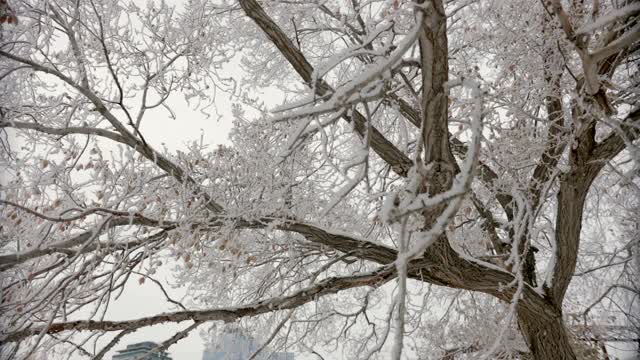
pixel 398 161
pixel 325 287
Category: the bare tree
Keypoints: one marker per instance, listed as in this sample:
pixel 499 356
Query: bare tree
pixel 443 179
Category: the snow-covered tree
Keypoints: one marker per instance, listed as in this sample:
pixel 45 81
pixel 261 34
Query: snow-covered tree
pixel 443 179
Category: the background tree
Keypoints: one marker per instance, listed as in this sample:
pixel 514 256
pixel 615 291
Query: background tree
pixel 443 179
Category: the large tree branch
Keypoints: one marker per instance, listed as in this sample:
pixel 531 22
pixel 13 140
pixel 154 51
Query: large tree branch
pixel 464 274
pixel 586 160
pixel 440 266
pixel 627 39
pixel 398 161
pixel 312 293
pixel 67 246
pixel 438 167
pixel 546 166
pixel 417 269
pixel 435 74
pixel 84 130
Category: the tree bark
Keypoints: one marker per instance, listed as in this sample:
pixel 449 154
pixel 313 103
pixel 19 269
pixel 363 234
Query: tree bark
pixel 545 334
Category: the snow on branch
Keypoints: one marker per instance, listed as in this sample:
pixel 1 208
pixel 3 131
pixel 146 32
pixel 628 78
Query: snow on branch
pixel 325 287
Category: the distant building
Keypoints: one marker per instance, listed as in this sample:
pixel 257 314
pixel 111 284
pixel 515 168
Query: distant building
pixel 138 350
pixel 234 345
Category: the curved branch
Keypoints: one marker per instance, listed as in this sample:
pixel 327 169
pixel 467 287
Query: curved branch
pixel 65 131
pixel 66 246
pixel 325 287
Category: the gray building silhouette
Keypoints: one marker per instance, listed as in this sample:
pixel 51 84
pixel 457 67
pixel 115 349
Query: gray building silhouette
pixel 138 350
pixel 234 345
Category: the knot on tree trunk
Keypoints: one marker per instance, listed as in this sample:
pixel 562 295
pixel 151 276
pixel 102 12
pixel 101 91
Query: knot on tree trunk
pixel 438 177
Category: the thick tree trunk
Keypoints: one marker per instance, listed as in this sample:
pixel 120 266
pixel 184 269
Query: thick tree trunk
pixel 544 331
pixel 541 324
pixel 546 335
